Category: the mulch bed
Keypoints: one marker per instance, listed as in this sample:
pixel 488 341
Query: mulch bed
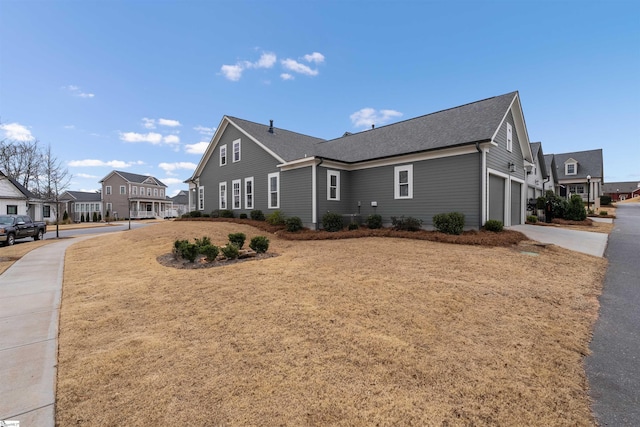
pixel 504 238
pixel 170 260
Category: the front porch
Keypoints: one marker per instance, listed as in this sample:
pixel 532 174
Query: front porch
pixel 141 209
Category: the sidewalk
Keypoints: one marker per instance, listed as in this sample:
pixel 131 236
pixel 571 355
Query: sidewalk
pixel 580 241
pixel 30 292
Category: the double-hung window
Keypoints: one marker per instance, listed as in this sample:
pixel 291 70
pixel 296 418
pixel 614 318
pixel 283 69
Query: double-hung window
pixel 333 185
pixel 509 137
pixel 571 169
pixel 236 184
pixel 222 195
pixel 248 193
pixel 403 182
pixel 236 150
pixel 200 198
pixel 223 155
pixel 274 190
pixel 107 190
pixel 12 209
pixel 134 190
pixel 123 189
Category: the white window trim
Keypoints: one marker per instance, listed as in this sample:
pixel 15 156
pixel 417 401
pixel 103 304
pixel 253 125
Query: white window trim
pixel 237 182
pixel 248 205
pixel 575 169
pixel 277 176
pixel 222 191
pixel 134 191
pixel 107 190
pixel 331 173
pixel 236 143
pixel 396 181
pixel 201 198
pixel 509 138
pixel 123 189
pixel 226 155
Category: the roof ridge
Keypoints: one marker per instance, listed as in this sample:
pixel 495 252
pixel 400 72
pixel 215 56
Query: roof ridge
pixel 275 127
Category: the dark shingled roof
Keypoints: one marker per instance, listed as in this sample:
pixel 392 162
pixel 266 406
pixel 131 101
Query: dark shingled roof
pixel 84 196
pixel 620 187
pixel 136 178
pixel 286 144
pixel 21 188
pixel 536 151
pixel 182 198
pixel 463 125
pixel 550 164
pixel 589 163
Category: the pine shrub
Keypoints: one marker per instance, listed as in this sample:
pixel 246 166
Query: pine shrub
pixel 495 225
pixel 332 221
pixel 226 213
pixel 260 244
pixel 531 218
pixel 374 221
pixel 449 223
pixel 257 215
pixel 230 251
pixel 406 224
pixel 353 226
pixel 575 210
pixel 65 216
pixel 210 252
pixel 243 216
pixel 237 239
pixel 276 218
pixel 293 224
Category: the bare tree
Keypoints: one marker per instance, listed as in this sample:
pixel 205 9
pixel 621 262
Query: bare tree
pixel 55 180
pixel 22 161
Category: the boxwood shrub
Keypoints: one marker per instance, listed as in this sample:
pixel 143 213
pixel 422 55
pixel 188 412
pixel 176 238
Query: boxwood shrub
pixel 406 224
pixel 293 224
pixel 449 223
pixel 237 239
pixel 257 215
pixel 260 244
pixel 374 221
pixel 332 221
pixel 495 225
pixel 230 251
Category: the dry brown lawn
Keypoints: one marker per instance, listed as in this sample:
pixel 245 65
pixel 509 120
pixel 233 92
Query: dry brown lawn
pixel 369 331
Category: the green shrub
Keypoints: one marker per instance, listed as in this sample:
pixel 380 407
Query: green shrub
pixel 332 221
pixel 243 216
pixel 226 213
pixel 205 215
pixel 195 214
pixel 605 200
pixel 237 239
pixel 65 216
pixel 205 241
pixel 210 252
pixel 99 216
pixel 532 219
pixel 353 226
pixel 604 213
pixel 177 245
pixel 276 218
pixel 215 213
pixel 374 221
pixel 576 211
pixel 230 251
pixel 260 244
pixel 189 251
pixel 541 202
pixel 257 215
pixel 94 217
pixel 293 224
pixel 495 225
pixel 406 224
pixel 449 223
pixel 81 217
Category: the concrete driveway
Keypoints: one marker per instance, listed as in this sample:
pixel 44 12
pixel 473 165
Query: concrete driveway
pixel 580 241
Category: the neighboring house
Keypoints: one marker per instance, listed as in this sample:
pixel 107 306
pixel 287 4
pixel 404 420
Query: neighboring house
pixel 16 199
pixel 469 159
pixel 80 204
pixel 622 190
pixel 179 204
pixel 537 175
pixel 581 173
pixel 129 195
pixel 552 180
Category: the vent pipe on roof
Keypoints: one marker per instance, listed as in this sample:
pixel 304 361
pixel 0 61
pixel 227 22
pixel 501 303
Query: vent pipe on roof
pixel 270 126
pixel 373 125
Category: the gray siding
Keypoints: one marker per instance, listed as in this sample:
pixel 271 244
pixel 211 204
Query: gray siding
pixel 343 206
pixel 496 198
pixel 254 162
pixel 450 184
pixel 516 205
pixel 296 194
pixel 499 158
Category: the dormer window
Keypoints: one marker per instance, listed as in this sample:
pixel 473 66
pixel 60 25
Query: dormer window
pixel 571 169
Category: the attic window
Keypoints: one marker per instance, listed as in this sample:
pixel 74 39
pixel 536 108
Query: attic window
pixel 509 138
pixel 571 169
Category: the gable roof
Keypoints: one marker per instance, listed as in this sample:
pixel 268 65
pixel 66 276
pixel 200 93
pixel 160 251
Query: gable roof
pixel 134 178
pixel 589 163
pixel 463 125
pixel 182 198
pixel 550 164
pixel 536 151
pixel 82 196
pixel 621 187
pixel 21 188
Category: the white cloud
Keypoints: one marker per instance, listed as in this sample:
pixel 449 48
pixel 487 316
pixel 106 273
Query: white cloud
pixel 69 127
pixel 172 181
pixel 75 91
pixel 151 137
pixel 204 130
pixel 197 148
pixel 17 132
pixel 314 57
pixel 86 175
pixel 171 139
pixel 169 123
pixel 295 66
pixel 148 123
pixel 169 168
pixel 234 72
pixel 286 76
pixel 118 164
pixel 369 116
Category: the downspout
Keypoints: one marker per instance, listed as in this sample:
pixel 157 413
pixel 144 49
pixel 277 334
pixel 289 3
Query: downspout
pixel 314 192
pixel 483 184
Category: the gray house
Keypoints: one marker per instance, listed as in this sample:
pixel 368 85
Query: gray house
pixel 581 173
pixel 471 159
pixel 552 181
pixel 81 204
pixel 537 175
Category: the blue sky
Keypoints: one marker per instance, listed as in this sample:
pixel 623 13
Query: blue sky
pixel 141 85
